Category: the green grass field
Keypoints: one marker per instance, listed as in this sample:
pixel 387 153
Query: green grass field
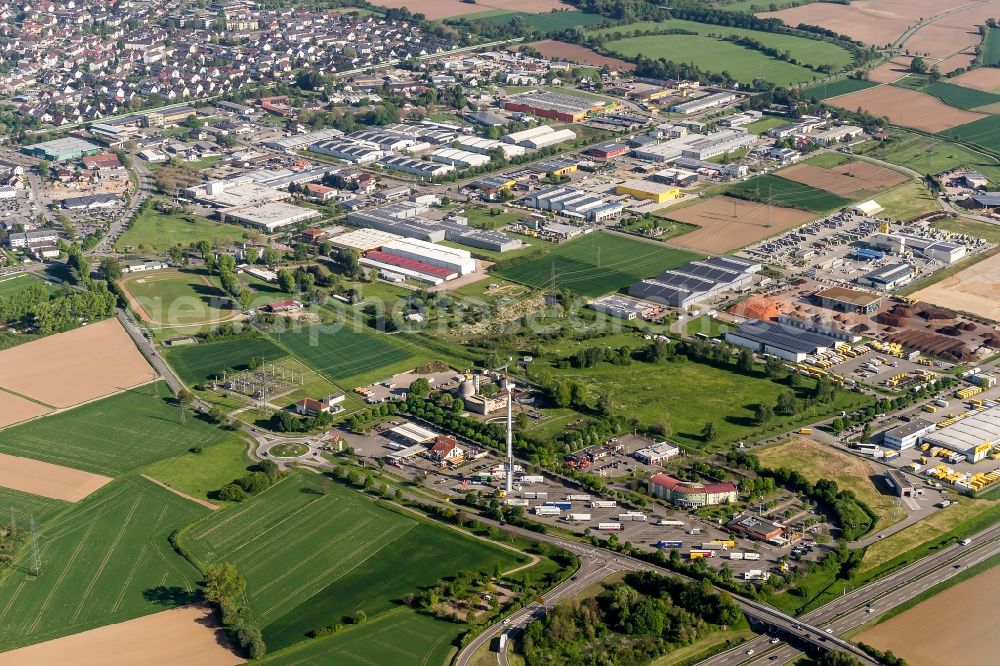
pixel 836 88
pixel 107 560
pixel 771 187
pixel 405 637
pixel 26 505
pixel 960 96
pixel 178 297
pixel 754 6
pixel 111 436
pixel 597 263
pixel 153 231
pixel 201 474
pixel 766 123
pixel 342 354
pixel 18 283
pixel 312 555
pixel 984 133
pixel 552 21
pixel 197 363
pixel 907 201
pixel 932 154
pixel 991 48
pixel 970 227
pixel 687 394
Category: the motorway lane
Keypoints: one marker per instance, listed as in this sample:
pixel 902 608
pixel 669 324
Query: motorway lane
pixel 884 594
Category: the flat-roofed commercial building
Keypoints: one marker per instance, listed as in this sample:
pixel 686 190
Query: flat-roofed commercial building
pixel 898 483
pixel 848 300
pixel 557 106
pixel 648 190
pixel 696 281
pixel 61 150
pixel 704 103
pixel 657 453
pixel 459 261
pixel 972 436
pixel 907 435
pixel 363 239
pixel 756 528
pixel 268 216
pixel 789 343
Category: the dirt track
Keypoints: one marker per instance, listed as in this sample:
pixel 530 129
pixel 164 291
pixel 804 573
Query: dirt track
pixel 73 367
pixel 727 223
pixel 185 635
pixel 48 480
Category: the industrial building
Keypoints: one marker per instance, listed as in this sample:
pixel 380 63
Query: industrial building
pixel 363 239
pixel 62 150
pixel 349 151
pixel 867 208
pixel 550 139
pixel 240 191
pixel 608 150
pixel 972 436
pixel 656 454
pixel 574 204
pixel 415 167
pixel 907 435
pixel 530 133
pixel 819 325
pixel 461 159
pixel 696 281
pixel 704 103
pixel 648 190
pixel 556 106
pixel 477 144
pixel 888 277
pixel 943 251
pixel 756 528
pixel 300 141
pixel 898 483
pixel 90 202
pixel 690 493
pixel 459 261
pixel 697 146
pixel 407 219
pixel 407 268
pixel 268 217
pixel 852 301
pixel 791 344
pixel 622 307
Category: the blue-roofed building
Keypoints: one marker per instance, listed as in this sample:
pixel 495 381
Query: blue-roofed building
pixel 787 342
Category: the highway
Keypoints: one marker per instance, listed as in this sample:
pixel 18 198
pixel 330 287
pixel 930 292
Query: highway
pixel 851 610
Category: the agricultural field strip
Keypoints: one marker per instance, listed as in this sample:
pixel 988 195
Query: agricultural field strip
pixel 345 363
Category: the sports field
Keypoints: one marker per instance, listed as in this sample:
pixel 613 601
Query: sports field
pixel 15 284
pixel 773 188
pixel 726 223
pixel 809 51
pixel 69 368
pixel 406 637
pixel 312 556
pixel 196 363
pixel 107 560
pixel 340 353
pixel 113 435
pixel 596 264
pixel 176 297
pixel 844 86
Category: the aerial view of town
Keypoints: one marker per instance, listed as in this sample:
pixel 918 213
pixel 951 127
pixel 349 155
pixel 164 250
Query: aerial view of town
pixel 499 333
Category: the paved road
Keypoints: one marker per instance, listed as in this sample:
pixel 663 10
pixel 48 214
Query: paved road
pixel 851 610
pixel 137 333
pixel 143 191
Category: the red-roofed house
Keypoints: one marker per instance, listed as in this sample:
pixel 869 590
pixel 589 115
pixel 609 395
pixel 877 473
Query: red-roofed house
pixel 284 306
pixel 691 493
pixel 105 164
pixel 446 449
pixel 319 192
pixel 310 407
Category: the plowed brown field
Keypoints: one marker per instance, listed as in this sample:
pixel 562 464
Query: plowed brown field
pixel 906 107
pixel 48 480
pixel 727 223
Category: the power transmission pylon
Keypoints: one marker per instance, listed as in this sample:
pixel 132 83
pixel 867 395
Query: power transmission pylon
pixel 36 556
pixel 13 521
pixel 183 417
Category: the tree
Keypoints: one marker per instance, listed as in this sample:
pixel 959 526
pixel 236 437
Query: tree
pixel 223 581
pixel 709 432
pixel 286 281
pixel 745 360
pixel 43 170
pixel 763 413
pixel 420 388
pixel 918 66
pixel 250 255
pixel 563 394
pixel 110 269
pixel 786 402
pixel 270 256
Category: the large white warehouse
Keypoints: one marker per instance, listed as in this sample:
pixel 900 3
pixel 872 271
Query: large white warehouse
pixel 460 261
